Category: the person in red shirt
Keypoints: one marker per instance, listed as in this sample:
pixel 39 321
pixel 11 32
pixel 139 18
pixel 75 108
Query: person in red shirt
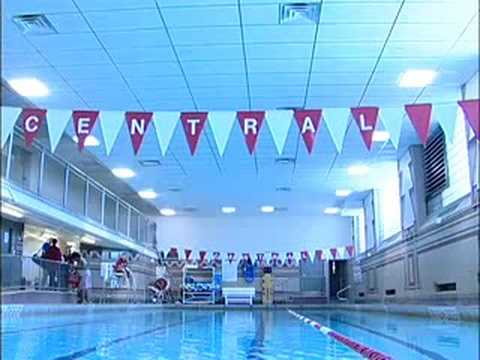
pixel 54 257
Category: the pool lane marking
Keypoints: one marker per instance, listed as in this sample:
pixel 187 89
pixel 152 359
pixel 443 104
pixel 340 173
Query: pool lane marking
pixel 81 353
pixel 428 353
pixel 365 351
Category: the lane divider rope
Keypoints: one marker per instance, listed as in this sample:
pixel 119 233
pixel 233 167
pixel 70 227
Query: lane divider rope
pixel 365 351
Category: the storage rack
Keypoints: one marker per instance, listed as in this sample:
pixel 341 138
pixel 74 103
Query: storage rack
pixel 203 277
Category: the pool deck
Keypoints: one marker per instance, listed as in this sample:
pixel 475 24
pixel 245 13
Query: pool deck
pixel 452 312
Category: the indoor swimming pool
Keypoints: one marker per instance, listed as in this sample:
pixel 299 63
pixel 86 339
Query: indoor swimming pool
pixel 233 334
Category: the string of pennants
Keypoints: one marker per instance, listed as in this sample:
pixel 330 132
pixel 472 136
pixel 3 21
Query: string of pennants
pixel 173 258
pixel 250 122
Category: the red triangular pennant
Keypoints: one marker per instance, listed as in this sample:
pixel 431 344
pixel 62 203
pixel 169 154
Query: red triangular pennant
pixel 83 123
pixel 32 122
pixel 187 252
pixel 420 116
pixel 203 255
pixel 334 252
pixel 137 124
pixel 305 255
pixel 309 123
pixel 471 109
pixel 350 250
pixel 251 123
pixel 193 124
pixel 366 119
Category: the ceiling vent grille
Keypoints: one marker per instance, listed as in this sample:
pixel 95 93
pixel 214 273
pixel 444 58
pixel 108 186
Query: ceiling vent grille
pixel 285 160
pixel 174 189
pixel 190 209
pixel 299 13
pixel 34 24
pixel 283 189
pixel 149 163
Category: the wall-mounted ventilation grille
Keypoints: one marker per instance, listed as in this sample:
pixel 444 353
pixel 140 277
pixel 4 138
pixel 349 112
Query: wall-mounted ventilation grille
pixel 390 292
pixel 34 24
pixel 446 287
pixel 299 13
pixel 435 157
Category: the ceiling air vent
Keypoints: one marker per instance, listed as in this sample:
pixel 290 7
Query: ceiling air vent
pixel 283 189
pixel 299 13
pixel 190 209
pixel 149 163
pixel 285 160
pixel 174 189
pixel 281 209
pixel 34 24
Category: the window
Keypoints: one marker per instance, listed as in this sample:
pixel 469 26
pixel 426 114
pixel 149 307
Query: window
pixel 110 212
pixel 436 179
pixel 76 193
pixel 53 185
pixel 122 219
pixel 5 157
pixel 25 166
pixel 134 225
pixel 94 203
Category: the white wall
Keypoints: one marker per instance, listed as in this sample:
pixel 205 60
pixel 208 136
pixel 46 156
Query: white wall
pixel 261 233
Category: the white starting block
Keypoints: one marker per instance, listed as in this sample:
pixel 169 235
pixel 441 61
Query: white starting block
pixel 239 295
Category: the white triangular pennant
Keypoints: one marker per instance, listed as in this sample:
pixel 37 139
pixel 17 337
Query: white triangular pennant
pixel 111 122
pixel 221 123
pixel 165 125
pixel 279 122
pixel 337 120
pixel 9 118
pixel 447 116
pixel 392 119
pixel 56 122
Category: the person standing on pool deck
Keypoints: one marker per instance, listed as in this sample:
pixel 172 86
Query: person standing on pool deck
pixel 54 255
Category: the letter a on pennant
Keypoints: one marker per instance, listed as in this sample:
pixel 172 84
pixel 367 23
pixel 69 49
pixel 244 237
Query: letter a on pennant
pixel 251 123
pixel 83 123
pixel 308 122
pixel 193 124
pixel 366 119
pixel 32 121
pixel 420 116
pixel 137 124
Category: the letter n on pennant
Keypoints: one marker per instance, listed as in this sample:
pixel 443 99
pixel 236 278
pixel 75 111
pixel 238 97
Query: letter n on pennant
pixel 137 124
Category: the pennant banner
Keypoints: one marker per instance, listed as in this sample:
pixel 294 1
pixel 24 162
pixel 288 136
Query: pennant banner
pixel 392 120
pixel 446 116
pixel 165 124
pixel 420 116
pixel 221 123
pixel 279 124
pixel 350 249
pixel 337 123
pixel 309 123
pixel 366 119
pixel 251 123
pixel 471 110
pixel 32 121
pixel 137 123
pixel 193 124
pixel 110 123
pixel 83 123
pixel 56 123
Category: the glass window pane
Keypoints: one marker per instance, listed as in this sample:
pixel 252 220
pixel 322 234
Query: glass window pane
pixel 110 212
pixel 53 180
pixel 4 157
pixel 76 193
pixel 122 219
pixel 94 203
pixel 143 230
pixel 25 167
pixel 134 225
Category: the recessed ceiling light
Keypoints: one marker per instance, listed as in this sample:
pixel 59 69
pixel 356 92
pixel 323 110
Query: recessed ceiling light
pixel 417 78
pixel 147 194
pixel 167 212
pixel 123 173
pixel 87 240
pixel 12 211
pixel 267 209
pixel 29 87
pixel 90 140
pixel 381 136
pixel 228 209
pixel 331 210
pixel 357 170
pixel 343 192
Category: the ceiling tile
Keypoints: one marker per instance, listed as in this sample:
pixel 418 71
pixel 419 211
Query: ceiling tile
pixel 361 12
pixel 201 16
pixel 102 21
pixel 213 67
pixel 216 80
pixel 438 12
pixel 344 64
pixel 65 42
pixel 261 14
pixel 38 6
pixel 339 77
pixel 278 65
pixel 80 57
pixel 142 55
pixel 206 36
pixel 151 69
pixel 279 34
pixel 274 79
pixel 203 53
pixel 68 23
pixel 134 39
pixel 278 51
pixel 116 5
pixel 348 49
pixel 338 33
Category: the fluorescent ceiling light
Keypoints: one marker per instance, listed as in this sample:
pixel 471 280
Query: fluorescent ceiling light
pixel 357 170
pixel 343 192
pixel 88 240
pixel 381 136
pixel 228 209
pixel 29 87
pixel 331 210
pixel 89 141
pixel 12 211
pixel 123 173
pixel 167 212
pixel 417 78
pixel 267 209
pixel 147 194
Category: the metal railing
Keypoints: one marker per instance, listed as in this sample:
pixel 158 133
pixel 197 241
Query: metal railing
pixel 341 291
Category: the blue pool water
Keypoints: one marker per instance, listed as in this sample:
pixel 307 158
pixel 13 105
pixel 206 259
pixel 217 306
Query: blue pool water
pixel 192 334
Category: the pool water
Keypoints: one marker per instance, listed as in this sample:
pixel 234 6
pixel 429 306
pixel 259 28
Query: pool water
pixel 235 334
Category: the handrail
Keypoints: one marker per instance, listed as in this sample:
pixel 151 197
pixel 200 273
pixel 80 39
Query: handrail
pixel 341 291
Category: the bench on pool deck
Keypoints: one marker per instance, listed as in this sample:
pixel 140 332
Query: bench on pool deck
pixel 239 295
